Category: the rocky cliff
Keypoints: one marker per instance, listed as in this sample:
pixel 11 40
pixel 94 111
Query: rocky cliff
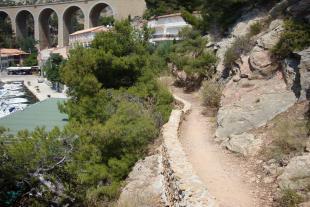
pixel 263 112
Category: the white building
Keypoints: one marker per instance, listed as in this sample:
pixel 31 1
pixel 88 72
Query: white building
pixel 85 37
pixel 167 27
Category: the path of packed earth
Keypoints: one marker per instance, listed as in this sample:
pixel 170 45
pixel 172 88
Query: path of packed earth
pixel 224 173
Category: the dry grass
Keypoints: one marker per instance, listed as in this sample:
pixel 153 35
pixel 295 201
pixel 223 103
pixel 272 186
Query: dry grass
pixel 289 135
pixel 211 94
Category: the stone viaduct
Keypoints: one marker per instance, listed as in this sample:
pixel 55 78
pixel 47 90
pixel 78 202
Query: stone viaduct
pixel 64 10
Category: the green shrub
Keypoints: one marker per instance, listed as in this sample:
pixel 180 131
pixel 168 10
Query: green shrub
pixel 211 94
pixel 191 56
pixel 289 198
pixel 255 28
pixel 296 37
pixel 240 46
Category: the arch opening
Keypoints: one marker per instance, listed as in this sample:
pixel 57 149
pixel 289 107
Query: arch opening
pixel 6 31
pixel 73 21
pixel 24 25
pixel 48 28
pixel 101 14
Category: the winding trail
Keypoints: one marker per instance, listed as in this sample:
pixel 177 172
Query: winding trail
pixel 222 172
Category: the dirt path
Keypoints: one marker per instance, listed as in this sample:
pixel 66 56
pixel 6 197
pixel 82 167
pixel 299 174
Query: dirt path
pixel 223 173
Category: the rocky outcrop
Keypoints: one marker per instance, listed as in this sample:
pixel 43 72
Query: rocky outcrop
pixel 245 144
pixel 249 104
pixel 240 29
pixel 296 174
pixel 261 62
pixel 271 37
pixel 260 59
pixel 296 70
pixel 300 9
pixel 188 82
pixel 295 8
pixel 304 70
pixel 144 184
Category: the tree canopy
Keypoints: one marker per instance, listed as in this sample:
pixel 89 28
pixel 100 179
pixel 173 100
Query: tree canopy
pixel 52 67
pixel 116 109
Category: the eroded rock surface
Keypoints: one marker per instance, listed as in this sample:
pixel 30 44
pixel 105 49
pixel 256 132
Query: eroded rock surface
pixel 296 174
pixel 261 62
pixel 250 104
pixel 260 59
pixel 304 68
pixel 245 144
pixel 144 184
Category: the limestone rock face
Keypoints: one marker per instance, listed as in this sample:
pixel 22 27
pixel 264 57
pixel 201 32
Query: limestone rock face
pixel 296 175
pixel 239 29
pixel 260 57
pixel 304 68
pixel 245 144
pixel 260 61
pixel 144 184
pixel 291 73
pixel 272 36
pixel 246 105
pixel 296 70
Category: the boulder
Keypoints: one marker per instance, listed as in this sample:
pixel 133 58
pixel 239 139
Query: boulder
pixel 305 204
pixel 260 59
pixel 281 7
pixel 261 62
pixel 238 30
pixel 300 9
pixel 249 104
pixel 144 184
pixel 304 70
pixel 272 36
pixel 188 82
pixel 296 174
pixel 245 144
pixel 291 74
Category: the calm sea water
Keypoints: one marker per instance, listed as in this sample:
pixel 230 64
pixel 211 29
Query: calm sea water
pixel 14 96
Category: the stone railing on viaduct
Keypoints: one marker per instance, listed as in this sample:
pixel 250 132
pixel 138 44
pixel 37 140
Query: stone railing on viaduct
pixel 41 13
pixel 182 187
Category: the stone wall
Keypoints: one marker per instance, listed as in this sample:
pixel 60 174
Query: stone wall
pixel 182 187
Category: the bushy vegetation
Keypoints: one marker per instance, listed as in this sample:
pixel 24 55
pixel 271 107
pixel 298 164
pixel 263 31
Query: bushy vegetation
pixel 211 94
pixel 219 15
pixel 191 56
pixel 31 60
pixel 52 67
pixel 106 20
pixel 296 37
pixel 115 110
pixel 289 198
pixel 256 28
pixel 7 39
pixel 161 7
pixel 289 137
pixel 240 46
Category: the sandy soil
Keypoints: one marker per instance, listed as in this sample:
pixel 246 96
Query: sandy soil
pixel 225 174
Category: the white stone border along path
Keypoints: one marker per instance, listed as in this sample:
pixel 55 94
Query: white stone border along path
pixel 182 187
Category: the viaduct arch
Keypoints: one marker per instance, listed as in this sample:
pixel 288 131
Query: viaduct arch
pixel 91 9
